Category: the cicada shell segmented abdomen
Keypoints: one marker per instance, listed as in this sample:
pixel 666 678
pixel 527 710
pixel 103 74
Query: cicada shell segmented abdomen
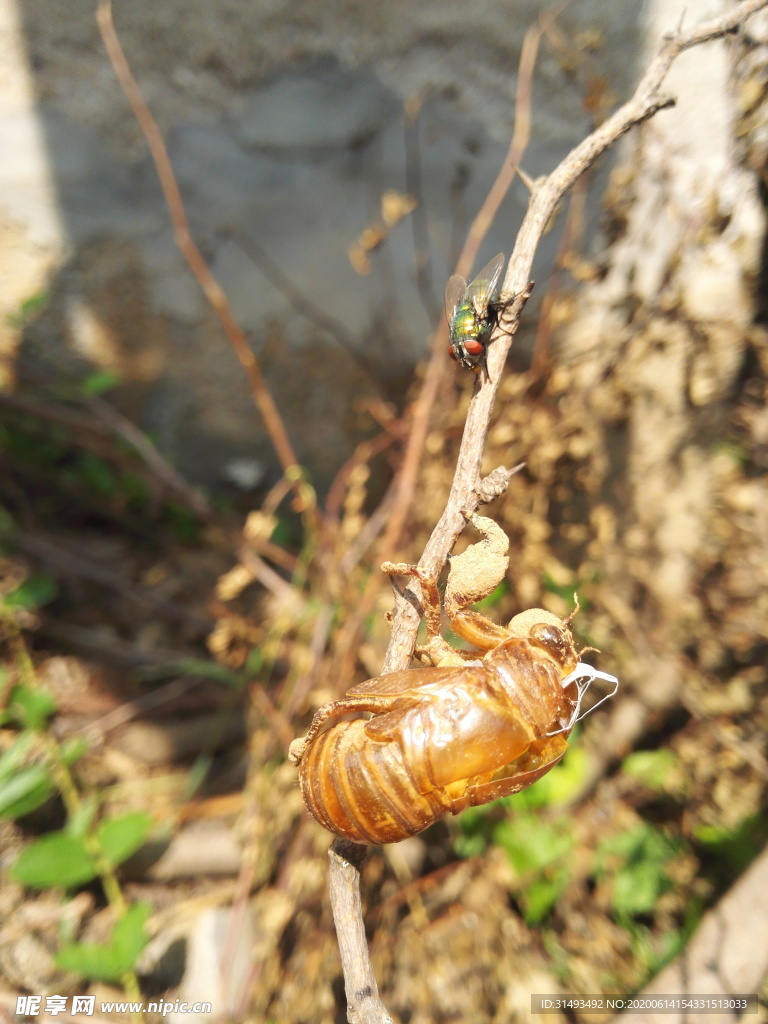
pixel 366 791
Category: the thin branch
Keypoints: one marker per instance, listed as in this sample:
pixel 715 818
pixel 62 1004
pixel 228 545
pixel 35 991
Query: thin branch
pixel 432 379
pixel 210 286
pixel 363 1003
pixel 147 451
pixel 330 325
pixel 570 238
pixel 419 223
pixel 405 483
pixel 547 193
pixel 521 135
pixel 345 859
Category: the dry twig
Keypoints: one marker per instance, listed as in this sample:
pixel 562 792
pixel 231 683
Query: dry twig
pixel 210 286
pixel 547 193
pixel 364 1006
pixel 404 485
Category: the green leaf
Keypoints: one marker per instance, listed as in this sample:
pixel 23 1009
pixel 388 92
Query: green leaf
pixel 466 846
pixel 73 749
pixel 636 862
pixel 110 962
pixel 185 524
pixel 54 859
pixel 642 843
pixel 129 937
pixel 120 837
pixel 27 309
pixel 28 789
pixel 476 826
pixel 564 590
pixel 34 592
pixel 254 662
pixel 80 821
pixel 531 844
pixel 7 523
pixel 654 768
pixel 557 786
pixel 100 381
pixel 734 848
pixel 98 473
pixel 13 758
pixel 197 775
pixel 90 961
pixel 541 895
pixel 24 787
pixel 283 533
pixel 30 707
pixel 637 888
pixel 193 667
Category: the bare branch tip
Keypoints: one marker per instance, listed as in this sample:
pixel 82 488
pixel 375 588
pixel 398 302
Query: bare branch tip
pixel 526 179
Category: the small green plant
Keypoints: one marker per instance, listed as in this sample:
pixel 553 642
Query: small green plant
pixel 99 382
pixel 537 848
pixel 109 478
pixel 654 768
pixel 733 849
pixel 32 593
pixel 113 960
pixel 636 863
pixel 36 768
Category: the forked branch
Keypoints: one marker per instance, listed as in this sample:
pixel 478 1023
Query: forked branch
pixel 547 192
pixel 364 1006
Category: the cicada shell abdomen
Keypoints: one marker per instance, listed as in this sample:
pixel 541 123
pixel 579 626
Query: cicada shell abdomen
pixel 366 791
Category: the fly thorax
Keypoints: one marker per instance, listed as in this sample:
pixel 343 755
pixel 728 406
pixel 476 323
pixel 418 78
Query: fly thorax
pixel 466 323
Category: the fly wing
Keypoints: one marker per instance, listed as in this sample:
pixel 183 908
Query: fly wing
pixel 454 293
pixel 484 288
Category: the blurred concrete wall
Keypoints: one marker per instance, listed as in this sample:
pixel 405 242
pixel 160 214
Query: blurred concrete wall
pixel 286 124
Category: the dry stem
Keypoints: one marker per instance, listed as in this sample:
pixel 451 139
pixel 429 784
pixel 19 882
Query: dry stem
pixel 547 193
pixel 404 485
pixel 211 288
pixel 362 994
pixel 363 1003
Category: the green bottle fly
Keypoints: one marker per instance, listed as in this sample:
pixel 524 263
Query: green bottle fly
pixel 468 309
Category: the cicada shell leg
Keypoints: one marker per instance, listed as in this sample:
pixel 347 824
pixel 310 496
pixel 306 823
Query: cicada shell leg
pixel 479 631
pixel 430 593
pixel 343 706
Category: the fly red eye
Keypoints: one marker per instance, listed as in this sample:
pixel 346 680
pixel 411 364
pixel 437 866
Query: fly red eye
pixel 452 352
pixel 473 347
